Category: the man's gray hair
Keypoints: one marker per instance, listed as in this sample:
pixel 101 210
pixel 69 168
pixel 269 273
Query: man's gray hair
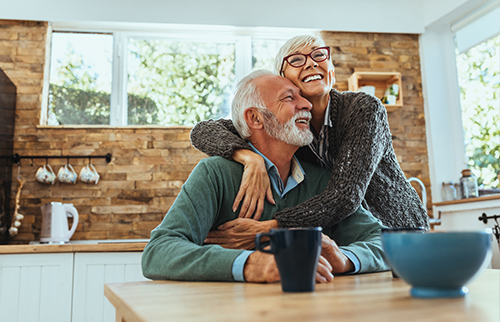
pixel 247 95
pixel 293 45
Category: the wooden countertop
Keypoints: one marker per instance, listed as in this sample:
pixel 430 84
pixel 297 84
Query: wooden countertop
pixel 74 248
pixel 365 297
pixel 468 200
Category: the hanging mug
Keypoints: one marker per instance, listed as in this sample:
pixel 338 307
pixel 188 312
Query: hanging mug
pixel 67 174
pixel 45 174
pixel 88 174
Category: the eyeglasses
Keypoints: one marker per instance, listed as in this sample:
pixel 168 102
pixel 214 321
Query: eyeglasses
pixel 298 60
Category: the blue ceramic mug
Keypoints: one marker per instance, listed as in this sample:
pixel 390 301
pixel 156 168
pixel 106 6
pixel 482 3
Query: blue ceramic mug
pixel 296 251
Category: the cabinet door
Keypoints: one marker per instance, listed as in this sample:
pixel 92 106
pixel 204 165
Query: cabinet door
pixel 36 287
pixel 92 271
pixel 465 217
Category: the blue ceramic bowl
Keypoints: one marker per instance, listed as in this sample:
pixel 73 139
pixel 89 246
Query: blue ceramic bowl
pixel 437 264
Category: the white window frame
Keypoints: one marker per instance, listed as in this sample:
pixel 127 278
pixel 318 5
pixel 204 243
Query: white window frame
pixel 241 37
pixel 443 113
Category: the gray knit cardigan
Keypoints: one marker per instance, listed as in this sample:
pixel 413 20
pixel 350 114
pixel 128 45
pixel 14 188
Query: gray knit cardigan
pixel 365 168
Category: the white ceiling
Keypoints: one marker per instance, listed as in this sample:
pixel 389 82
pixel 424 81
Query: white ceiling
pixel 402 16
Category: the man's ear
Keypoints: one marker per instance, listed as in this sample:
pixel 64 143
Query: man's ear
pixel 253 118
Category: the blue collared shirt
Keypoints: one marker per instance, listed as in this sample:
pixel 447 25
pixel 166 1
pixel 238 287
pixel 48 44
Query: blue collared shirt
pixel 295 177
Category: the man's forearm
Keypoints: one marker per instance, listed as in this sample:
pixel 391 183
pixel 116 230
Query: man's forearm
pixel 240 233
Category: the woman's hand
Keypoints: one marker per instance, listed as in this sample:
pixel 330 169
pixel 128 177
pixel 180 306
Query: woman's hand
pixel 255 186
pixel 239 233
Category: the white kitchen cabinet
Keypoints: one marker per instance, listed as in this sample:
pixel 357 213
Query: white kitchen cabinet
pixel 36 287
pixel 91 271
pixel 462 215
pixel 63 287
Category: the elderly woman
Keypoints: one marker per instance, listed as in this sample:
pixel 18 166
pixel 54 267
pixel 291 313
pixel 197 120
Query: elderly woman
pixel 352 139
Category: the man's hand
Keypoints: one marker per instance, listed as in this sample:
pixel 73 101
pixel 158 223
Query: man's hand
pixel 239 233
pixel 324 271
pixel 332 253
pixel 261 268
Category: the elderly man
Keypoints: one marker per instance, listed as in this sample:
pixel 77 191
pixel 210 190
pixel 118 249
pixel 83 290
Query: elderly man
pixel 270 113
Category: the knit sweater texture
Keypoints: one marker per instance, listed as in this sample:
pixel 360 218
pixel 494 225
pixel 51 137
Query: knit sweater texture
pixel 177 251
pixel 365 169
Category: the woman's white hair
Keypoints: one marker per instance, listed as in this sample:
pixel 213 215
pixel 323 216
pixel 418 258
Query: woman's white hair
pixel 294 45
pixel 247 95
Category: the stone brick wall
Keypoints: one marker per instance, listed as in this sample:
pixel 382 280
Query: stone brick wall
pixel 150 164
pixel 135 190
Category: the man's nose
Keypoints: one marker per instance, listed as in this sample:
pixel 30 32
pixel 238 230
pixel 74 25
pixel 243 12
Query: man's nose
pixel 304 104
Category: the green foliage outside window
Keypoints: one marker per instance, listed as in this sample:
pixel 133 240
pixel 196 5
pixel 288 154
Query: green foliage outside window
pixel 74 96
pixel 188 81
pixel 479 79
pixel 169 83
pixel 77 106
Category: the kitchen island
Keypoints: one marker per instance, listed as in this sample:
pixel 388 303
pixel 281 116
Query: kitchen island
pixel 366 297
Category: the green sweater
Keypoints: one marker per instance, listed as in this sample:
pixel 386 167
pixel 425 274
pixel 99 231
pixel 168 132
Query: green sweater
pixel 176 249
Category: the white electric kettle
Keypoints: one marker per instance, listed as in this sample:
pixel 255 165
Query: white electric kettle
pixel 55 223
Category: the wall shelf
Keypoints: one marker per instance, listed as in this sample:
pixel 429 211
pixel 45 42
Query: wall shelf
pixel 381 81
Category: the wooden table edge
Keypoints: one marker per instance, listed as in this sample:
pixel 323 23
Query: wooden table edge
pixel 123 312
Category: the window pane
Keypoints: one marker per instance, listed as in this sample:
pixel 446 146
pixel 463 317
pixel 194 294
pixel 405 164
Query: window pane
pixel 179 82
pixel 80 78
pixel 479 80
pixel 264 51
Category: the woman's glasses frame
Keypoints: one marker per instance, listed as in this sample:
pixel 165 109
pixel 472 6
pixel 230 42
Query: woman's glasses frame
pixel 287 58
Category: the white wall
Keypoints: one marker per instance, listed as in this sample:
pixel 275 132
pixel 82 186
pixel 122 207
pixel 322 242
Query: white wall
pixel 336 15
pixel 435 10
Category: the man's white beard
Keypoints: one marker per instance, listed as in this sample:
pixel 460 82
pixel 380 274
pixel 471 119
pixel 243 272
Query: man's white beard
pixel 288 132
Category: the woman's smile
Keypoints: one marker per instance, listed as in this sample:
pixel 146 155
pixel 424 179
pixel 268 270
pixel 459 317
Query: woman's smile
pixel 311 78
